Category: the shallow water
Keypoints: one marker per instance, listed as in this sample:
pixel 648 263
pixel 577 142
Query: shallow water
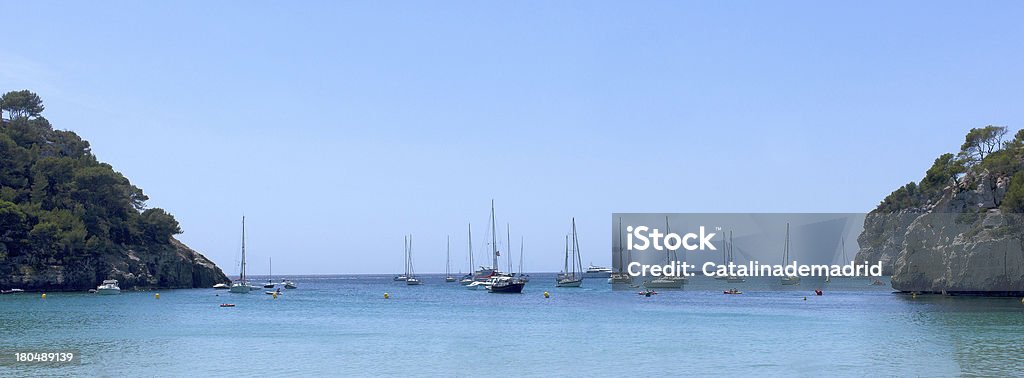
pixel 342 325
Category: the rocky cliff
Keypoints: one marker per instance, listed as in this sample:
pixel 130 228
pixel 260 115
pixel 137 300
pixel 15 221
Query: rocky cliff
pixel 966 237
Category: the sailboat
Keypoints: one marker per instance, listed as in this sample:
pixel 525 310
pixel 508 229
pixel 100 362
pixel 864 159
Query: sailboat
pixel 731 253
pixel 468 278
pixel 501 282
pixel 680 276
pixel 666 282
pixel 409 272
pixel 620 276
pixel 270 282
pixel 241 286
pixel 448 263
pixel 525 277
pixel 572 271
pixel 788 280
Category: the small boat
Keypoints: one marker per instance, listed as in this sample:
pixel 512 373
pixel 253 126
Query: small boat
pixel 221 286
pixel 401 277
pixel 12 291
pixel 227 305
pixel 288 284
pixel 241 286
pixel 647 293
pixel 817 292
pixel 273 292
pixel 732 292
pixel 109 287
pixel 477 284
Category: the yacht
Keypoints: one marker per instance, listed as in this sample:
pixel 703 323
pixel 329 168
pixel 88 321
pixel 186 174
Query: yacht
pixel 221 286
pixel 409 273
pixel 288 284
pixel 108 287
pixel 594 271
pixel 506 284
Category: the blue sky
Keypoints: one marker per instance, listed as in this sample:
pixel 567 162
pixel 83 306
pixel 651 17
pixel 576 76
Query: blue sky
pixel 339 127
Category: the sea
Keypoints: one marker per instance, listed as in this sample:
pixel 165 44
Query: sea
pixel 342 325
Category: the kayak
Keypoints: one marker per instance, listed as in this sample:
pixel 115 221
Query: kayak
pixel 732 292
pixel 227 305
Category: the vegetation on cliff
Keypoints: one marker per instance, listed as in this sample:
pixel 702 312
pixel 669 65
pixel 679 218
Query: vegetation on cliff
pixel 62 208
pixel 984 153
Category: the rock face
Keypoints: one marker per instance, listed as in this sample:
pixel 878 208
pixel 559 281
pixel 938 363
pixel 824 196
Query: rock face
pixel 169 266
pixel 960 243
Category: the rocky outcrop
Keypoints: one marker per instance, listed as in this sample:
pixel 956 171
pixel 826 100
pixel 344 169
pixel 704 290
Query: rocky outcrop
pixel 168 266
pixel 959 243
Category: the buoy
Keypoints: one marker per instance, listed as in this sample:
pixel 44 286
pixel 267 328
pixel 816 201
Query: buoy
pixel 157 295
pixel 386 296
pixel 547 295
pixel 805 298
pixel 44 295
pixel 275 295
pixel 913 295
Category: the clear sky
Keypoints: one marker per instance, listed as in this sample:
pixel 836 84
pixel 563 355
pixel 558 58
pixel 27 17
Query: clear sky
pixel 339 127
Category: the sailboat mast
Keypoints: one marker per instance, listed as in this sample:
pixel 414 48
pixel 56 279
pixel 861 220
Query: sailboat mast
pixel 241 275
pixel 520 255
pixel 448 258
pixel 565 267
pixel 508 246
pixel 785 254
pixel 494 239
pixel 472 268
pixel 576 250
pixel 619 234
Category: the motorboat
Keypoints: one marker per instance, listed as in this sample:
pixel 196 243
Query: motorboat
pixel 221 286
pixel 109 287
pixel 288 284
pixel 594 271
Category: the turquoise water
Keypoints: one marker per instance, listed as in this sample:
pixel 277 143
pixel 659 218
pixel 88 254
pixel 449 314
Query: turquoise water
pixel 342 325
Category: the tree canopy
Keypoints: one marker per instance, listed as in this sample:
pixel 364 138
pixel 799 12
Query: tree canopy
pixel 56 198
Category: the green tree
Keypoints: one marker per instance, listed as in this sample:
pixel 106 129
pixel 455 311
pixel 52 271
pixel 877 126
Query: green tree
pixel 1014 200
pixel 946 170
pixel 21 104
pixel 158 226
pixel 980 142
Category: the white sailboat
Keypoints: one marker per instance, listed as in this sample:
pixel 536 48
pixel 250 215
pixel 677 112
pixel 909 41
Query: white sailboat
pixel 732 255
pixel 270 281
pixel 409 272
pixel 469 278
pixel 242 285
pixel 571 276
pixel 680 276
pixel 788 280
pixel 621 276
pixel 448 263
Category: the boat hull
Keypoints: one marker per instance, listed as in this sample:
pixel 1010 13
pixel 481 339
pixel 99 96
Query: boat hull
pixel 509 288
pixel 568 283
pixel 240 289
pixel 107 291
pixel 790 280
pixel 663 284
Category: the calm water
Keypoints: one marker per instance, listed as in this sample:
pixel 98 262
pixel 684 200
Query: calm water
pixel 342 325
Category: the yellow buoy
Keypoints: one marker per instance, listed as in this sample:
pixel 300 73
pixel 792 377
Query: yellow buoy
pixel 913 295
pixel 547 295
pixel 275 295
pixel 157 295
pixel 44 295
pixel 386 296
